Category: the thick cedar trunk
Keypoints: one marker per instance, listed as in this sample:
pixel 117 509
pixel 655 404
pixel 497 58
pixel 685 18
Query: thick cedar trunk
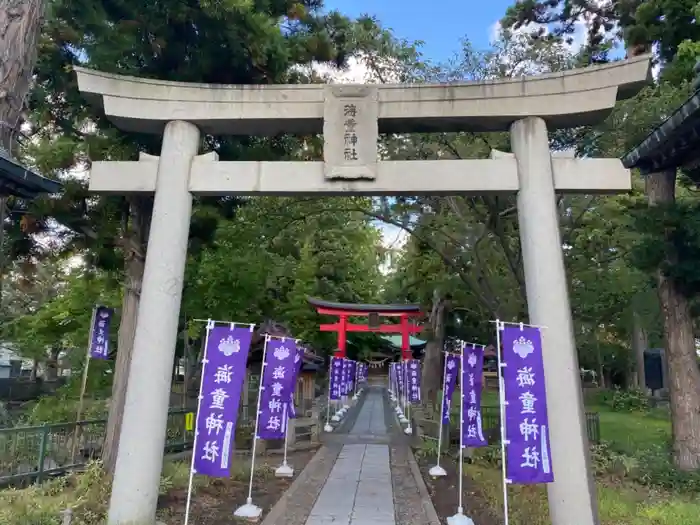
pixel 431 379
pixel 684 376
pixel 20 22
pixel 135 257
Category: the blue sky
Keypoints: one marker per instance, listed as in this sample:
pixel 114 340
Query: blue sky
pixel 440 24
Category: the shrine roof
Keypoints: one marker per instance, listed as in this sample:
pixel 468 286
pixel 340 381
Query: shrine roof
pixel 672 144
pixel 360 309
pixel 18 181
pixel 413 342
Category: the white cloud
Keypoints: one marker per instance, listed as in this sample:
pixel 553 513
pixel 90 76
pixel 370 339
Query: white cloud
pixel 578 37
pixel 393 237
pixel 356 72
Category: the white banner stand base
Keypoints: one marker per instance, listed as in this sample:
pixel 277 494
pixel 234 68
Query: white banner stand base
pixel 328 428
pixel 437 472
pixel 284 471
pixel 459 519
pixel 408 430
pixel 248 511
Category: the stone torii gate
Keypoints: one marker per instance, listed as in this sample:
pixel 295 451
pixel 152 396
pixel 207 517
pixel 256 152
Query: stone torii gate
pixel 351 118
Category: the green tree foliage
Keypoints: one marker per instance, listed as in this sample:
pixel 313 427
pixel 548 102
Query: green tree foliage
pixel 670 25
pixel 276 252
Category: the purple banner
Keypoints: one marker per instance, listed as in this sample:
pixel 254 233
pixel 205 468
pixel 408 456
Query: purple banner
pixel 352 371
pixel 225 359
pixel 299 360
pixel 448 385
pixel 527 427
pixel 276 386
pixel 362 373
pixel 336 377
pixel 99 340
pixel 400 377
pixel 414 371
pixel 471 384
pixel 344 376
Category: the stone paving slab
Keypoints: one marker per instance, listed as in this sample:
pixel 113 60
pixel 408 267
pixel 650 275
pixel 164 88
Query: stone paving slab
pixel 370 420
pixel 358 490
pixel 294 507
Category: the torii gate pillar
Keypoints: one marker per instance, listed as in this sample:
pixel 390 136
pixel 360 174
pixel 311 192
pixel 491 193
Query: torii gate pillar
pixel 573 498
pixel 148 392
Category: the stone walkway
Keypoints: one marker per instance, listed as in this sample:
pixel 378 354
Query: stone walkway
pixel 370 420
pixel 364 474
pixel 358 490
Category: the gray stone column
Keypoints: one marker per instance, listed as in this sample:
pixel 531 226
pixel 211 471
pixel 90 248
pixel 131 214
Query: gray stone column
pixel 572 496
pixel 143 433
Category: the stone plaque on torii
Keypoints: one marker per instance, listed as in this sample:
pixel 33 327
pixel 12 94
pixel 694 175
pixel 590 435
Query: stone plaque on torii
pixel 351 118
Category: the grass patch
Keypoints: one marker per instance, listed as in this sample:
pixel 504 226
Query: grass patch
pixel 627 432
pixel 619 504
pixel 630 432
pixel 87 494
pixel 636 481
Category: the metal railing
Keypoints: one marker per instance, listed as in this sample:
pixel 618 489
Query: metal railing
pixel 33 454
pixel 491 422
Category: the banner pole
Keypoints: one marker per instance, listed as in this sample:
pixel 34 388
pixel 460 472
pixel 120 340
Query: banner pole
pixel 409 429
pixel 437 471
pixel 460 509
pixel 210 325
pixel 328 427
pixel 502 403
pixel 460 518
pixel 284 470
pixel 83 385
pixel 249 510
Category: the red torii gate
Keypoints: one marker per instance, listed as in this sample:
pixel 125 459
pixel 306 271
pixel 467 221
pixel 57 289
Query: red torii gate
pixel 405 312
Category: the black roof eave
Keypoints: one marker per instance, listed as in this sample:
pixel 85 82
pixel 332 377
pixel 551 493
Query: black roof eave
pixel 673 143
pixel 17 180
pixel 353 307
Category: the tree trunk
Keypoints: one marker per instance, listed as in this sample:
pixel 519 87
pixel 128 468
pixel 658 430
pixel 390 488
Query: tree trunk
pixel 431 380
pixel 640 342
pixel 51 366
pixel 20 23
pixel 194 370
pixel 684 376
pixel 135 257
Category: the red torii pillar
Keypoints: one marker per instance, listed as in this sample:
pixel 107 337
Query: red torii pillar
pixel 405 312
